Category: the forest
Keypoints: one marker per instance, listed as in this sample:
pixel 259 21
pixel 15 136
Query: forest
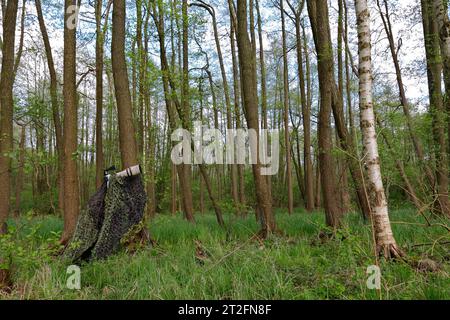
pixel 224 149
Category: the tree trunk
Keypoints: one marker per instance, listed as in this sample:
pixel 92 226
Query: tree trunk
pixel 318 13
pixel 249 91
pixel 237 105
pixel 262 64
pixel 22 36
pixel 409 188
pixel 21 169
pixel 127 133
pixel 437 110
pixel 6 109
pixel 384 238
pixel 55 106
pixel 185 112
pixel 317 198
pixel 440 11
pixel 306 114
pixel 141 61
pixel 99 43
pixel 342 162
pixel 173 188
pixel 233 167
pixel 171 100
pixel 402 93
pixel 290 205
pixel 71 187
pixel 158 17
pixel 348 79
pixel 151 171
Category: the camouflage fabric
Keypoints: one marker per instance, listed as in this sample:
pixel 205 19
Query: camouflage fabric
pixel 114 210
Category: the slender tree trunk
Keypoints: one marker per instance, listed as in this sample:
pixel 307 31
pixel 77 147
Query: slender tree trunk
pixel 233 167
pixel 298 166
pixel 346 141
pixel 317 193
pixel 22 36
pixel 185 111
pixel 171 100
pixel 342 162
pixel 318 13
pixel 140 60
pixel 290 205
pixel 55 106
pixel 249 91
pixel 306 112
pixel 173 188
pixel 216 120
pixel 348 85
pixel 151 171
pixel 262 64
pixel 6 109
pixel 409 188
pixel 441 13
pixel 127 136
pixel 237 104
pixel 384 238
pixel 158 17
pixel 402 93
pixel 71 187
pixel 437 110
pixel 20 173
pixel 99 43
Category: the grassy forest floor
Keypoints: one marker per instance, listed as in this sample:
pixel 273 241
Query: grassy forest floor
pixel 296 265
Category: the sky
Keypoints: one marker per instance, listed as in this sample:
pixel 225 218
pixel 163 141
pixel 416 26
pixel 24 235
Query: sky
pixel 411 54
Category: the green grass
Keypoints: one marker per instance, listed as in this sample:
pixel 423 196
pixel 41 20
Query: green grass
pixel 293 266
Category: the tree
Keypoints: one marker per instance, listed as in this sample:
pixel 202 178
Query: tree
pixel 262 67
pixel 6 109
pixel 99 161
pixel 318 14
pixel 306 108
pixel 409 188
pixel 21 39
pixel 384 238
pixel 70 134
pixel 345 139
pixel 342 161
pixel 185 112
pixel 286 113
pixel 437 110
pixel 394 49
pixel 174 108
pixel 441 14
pixel 237 97
pixel 249 94
pixel 20 173
pixel 127 133
pixel 233 167
pixel 55 105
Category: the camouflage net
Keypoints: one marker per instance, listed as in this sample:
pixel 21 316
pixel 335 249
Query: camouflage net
pixel 115 209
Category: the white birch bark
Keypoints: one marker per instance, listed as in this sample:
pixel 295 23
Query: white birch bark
pixel 385 241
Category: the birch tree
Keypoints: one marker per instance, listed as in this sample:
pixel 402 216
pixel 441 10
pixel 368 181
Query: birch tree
pixel 384 238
